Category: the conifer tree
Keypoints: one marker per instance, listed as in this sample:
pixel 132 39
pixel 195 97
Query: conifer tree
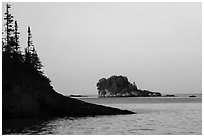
pixel 17 56
pixel 8 45
pixel 16 38
pixel 28 51
pixel 32 60
pixel 36 63
pixel 3 40
pixel 27 60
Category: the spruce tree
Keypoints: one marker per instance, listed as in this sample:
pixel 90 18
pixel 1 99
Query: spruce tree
pixel 17 56
pixel 8 46
pixel 36 63
pixel 32 60
pixel 16 38
pixel 27 60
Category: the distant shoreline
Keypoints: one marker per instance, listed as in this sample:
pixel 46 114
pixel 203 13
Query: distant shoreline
pixel 163 96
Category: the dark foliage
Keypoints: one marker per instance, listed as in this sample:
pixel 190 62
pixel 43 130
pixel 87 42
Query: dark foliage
pixel 32 61
pixel 120 86
pixel 8 46
pixel 115 85
pixel 13 60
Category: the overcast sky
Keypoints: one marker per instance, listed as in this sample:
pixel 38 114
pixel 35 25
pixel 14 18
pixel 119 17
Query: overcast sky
pixel 156 45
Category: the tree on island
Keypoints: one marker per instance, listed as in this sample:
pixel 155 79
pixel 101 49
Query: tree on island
pixel 120 86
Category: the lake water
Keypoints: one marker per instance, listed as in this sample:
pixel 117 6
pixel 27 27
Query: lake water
pixel 155 115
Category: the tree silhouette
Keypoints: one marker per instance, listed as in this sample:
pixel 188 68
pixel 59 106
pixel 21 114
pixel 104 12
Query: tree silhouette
pixel 8 44
pixel 36 63
pixel 27 60
pixel 14 62
pixel 115 85
pixel 17 56
pixel 16 38
pixel 32 61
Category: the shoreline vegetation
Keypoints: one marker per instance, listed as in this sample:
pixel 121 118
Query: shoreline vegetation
pixel 119 86
pixel 26 91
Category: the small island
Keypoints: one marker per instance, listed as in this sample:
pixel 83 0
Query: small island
pixel 169 95
pixel 119 86
pixel 77 96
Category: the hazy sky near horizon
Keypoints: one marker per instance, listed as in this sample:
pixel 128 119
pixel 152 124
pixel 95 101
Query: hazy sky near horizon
pixel 156 45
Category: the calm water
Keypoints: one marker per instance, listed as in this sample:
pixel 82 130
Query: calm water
pixel 180 115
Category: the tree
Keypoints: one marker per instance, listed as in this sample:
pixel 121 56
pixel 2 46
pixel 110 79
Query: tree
pixel 28 53
pixel 32 61
pixel 101 85
pixel 8 44
pixel 27 60
pixel 116 86
pixel 17 56
pixel 36 63
pixel 16 38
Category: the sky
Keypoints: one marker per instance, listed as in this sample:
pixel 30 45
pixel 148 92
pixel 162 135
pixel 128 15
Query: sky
pixel 156 45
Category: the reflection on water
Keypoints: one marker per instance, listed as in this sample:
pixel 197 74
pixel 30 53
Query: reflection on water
pixel 33 126
pixel 151 118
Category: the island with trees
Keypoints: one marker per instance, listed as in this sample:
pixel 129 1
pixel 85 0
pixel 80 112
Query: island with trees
pixel 119 86
pixel 26 91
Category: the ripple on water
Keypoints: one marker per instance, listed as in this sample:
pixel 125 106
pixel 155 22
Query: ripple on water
pixel 152 119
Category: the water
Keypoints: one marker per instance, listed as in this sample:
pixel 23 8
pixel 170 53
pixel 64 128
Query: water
pixel 158 115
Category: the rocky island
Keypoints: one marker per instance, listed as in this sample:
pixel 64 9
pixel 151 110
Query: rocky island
pixel 119 86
